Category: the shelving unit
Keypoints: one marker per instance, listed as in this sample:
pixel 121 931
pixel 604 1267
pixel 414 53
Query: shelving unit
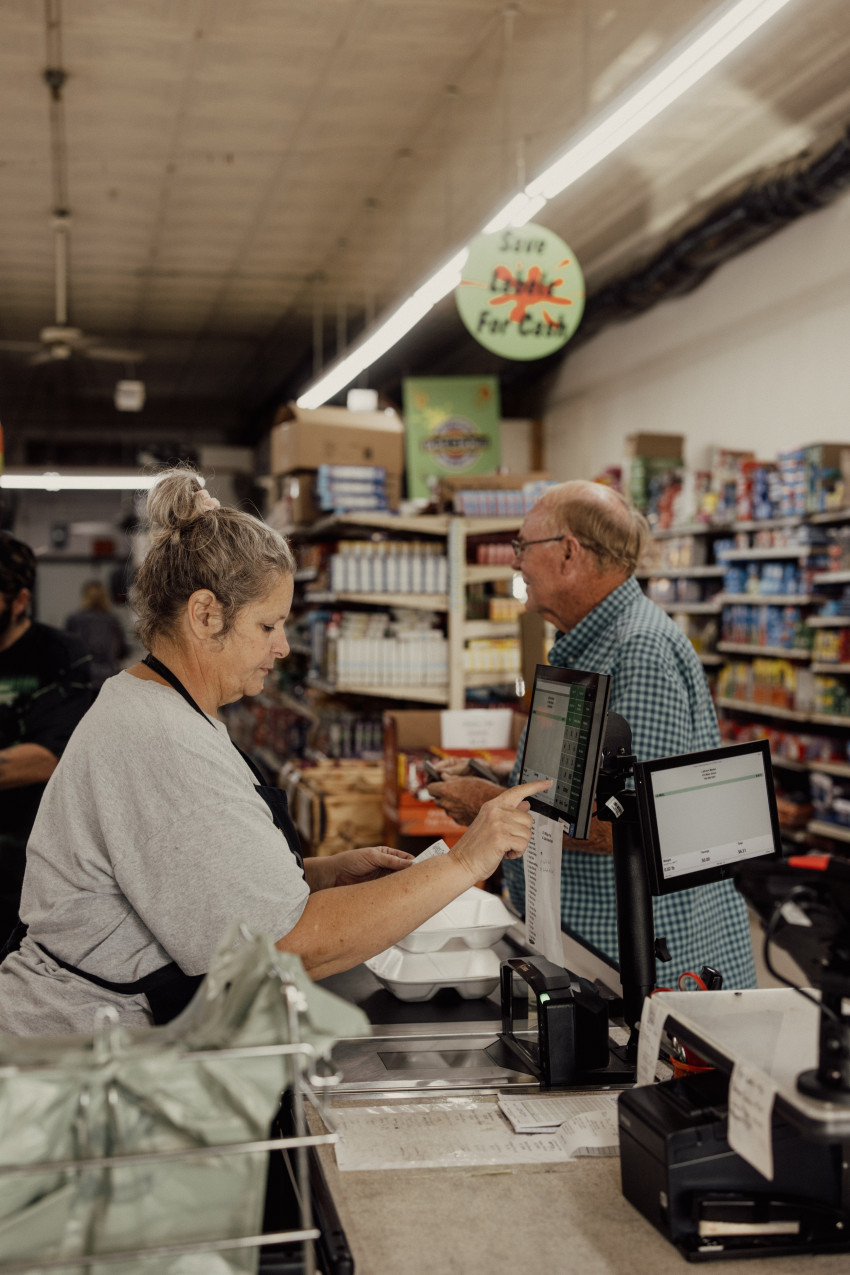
pixel 455 532
pixel 775 716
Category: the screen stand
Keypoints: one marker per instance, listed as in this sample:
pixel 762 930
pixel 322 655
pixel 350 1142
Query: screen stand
pixel 617 805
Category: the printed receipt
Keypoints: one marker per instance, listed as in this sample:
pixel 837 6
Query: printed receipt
pixel 542 863
pixel 751 1097
pixel 466 1131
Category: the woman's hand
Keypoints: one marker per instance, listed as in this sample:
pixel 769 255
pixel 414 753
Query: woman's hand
pixel 368 863
pixel 501 829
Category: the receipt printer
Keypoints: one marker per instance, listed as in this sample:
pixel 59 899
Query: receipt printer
pixel 679 1171
pixel 555 1022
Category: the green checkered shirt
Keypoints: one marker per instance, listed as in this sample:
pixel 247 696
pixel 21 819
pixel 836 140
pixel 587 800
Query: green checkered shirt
pixel 659 687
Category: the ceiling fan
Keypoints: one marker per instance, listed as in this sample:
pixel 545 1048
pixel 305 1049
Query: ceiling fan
pixel 60 340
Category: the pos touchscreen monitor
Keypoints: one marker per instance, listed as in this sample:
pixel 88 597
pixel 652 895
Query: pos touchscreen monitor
pixel 701 814
pixel 563 742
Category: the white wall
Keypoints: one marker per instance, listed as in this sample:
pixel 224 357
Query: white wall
pixel 757 358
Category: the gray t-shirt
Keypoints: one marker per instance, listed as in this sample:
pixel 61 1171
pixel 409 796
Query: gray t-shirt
pixel 150 839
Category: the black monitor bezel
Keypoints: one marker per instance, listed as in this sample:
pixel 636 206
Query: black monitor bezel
pixel 601 683
pixel 649 825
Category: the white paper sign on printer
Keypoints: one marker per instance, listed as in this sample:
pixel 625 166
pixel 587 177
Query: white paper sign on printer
pixel 542 863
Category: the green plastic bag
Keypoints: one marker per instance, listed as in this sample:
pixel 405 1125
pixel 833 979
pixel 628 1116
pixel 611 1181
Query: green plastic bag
pixel 163 1089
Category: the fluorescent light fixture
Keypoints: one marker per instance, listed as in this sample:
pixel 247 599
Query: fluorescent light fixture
pixel 711 42
pixel 704 49
pixel 388 333
pixel 80 482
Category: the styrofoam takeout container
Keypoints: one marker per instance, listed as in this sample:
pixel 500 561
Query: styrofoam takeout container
pixel 417 976
pixel 478 918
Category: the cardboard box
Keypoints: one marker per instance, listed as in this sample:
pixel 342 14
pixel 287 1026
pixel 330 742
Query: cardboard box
pixel 338 805
pixel 664 446
pixel 410 823
pixel 302 439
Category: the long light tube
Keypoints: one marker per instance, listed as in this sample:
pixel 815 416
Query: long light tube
pixel 703 50
pixel 79 482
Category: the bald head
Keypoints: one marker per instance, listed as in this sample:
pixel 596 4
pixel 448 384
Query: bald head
pixel 600 519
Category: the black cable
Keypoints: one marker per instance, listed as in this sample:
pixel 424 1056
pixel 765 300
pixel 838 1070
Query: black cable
pixel 769 931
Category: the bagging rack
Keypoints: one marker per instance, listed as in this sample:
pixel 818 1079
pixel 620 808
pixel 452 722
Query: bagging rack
pixel 303 1090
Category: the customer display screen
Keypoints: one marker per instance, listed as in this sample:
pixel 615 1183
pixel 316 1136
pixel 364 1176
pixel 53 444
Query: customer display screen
pixel 563 742
pixel 703 813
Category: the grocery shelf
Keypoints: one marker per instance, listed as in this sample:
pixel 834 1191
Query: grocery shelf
pixel 838 768
pixel 825 828
pixel 484 573
pixel 682 573
pixel 772 553
pixel 491 677
pixel 691 608
pixel 767 599
pixel 414 601
pixel 826 667
pixel 831 577
pixel 828 621
pixel 427 694
pixel 829 719
pixel 763 710
pixel 489 629
pixel 782 652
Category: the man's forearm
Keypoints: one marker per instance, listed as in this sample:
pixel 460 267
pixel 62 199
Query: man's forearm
pixel 25 764
pixel 600 840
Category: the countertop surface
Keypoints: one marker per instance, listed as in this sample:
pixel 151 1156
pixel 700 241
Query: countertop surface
pixel 479 1220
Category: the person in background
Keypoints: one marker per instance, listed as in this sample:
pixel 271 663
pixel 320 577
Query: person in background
pixel 45 689
pixel 578 549
pixel 156 832
pixel 100 631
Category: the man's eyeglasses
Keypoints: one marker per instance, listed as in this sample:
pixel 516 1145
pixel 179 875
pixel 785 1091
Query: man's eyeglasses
pixel 519 546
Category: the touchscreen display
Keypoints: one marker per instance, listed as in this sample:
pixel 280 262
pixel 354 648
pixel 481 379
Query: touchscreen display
pixel 563 743
pixel 706 812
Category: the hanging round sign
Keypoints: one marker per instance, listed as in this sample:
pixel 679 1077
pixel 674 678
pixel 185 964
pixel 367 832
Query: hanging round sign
pixel 522 292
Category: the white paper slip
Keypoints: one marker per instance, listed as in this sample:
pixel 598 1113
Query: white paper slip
pixel 751 1097
pixel 652 1022
pixel 542 866
pixel 550 1111
pixel 456 1132
pixel 437 847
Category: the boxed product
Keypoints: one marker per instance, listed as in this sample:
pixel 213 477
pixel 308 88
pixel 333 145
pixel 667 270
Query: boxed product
pixel 491 495
pixel 300 500
pixel 305 439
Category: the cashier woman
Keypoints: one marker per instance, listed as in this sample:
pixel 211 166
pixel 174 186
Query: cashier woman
pixel 155 832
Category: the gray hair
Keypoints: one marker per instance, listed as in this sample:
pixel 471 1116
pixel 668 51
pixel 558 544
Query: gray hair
pixel 602 521
pixel 197 544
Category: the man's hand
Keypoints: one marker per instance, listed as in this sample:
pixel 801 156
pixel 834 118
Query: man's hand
pixel 463 798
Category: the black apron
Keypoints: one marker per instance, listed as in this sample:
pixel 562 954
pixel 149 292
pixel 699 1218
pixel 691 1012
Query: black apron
pixel 168 989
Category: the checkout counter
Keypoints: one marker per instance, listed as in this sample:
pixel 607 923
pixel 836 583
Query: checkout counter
pixel 603 1214
pixel 479 1220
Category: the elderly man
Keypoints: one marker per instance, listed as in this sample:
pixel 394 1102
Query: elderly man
pixel 578 550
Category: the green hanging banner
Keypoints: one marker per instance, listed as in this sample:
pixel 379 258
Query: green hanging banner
pixel 451 426
pixel 522 292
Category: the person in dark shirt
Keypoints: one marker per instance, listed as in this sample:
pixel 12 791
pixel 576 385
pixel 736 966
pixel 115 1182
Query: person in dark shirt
pixel 100 631
pixel 45 688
